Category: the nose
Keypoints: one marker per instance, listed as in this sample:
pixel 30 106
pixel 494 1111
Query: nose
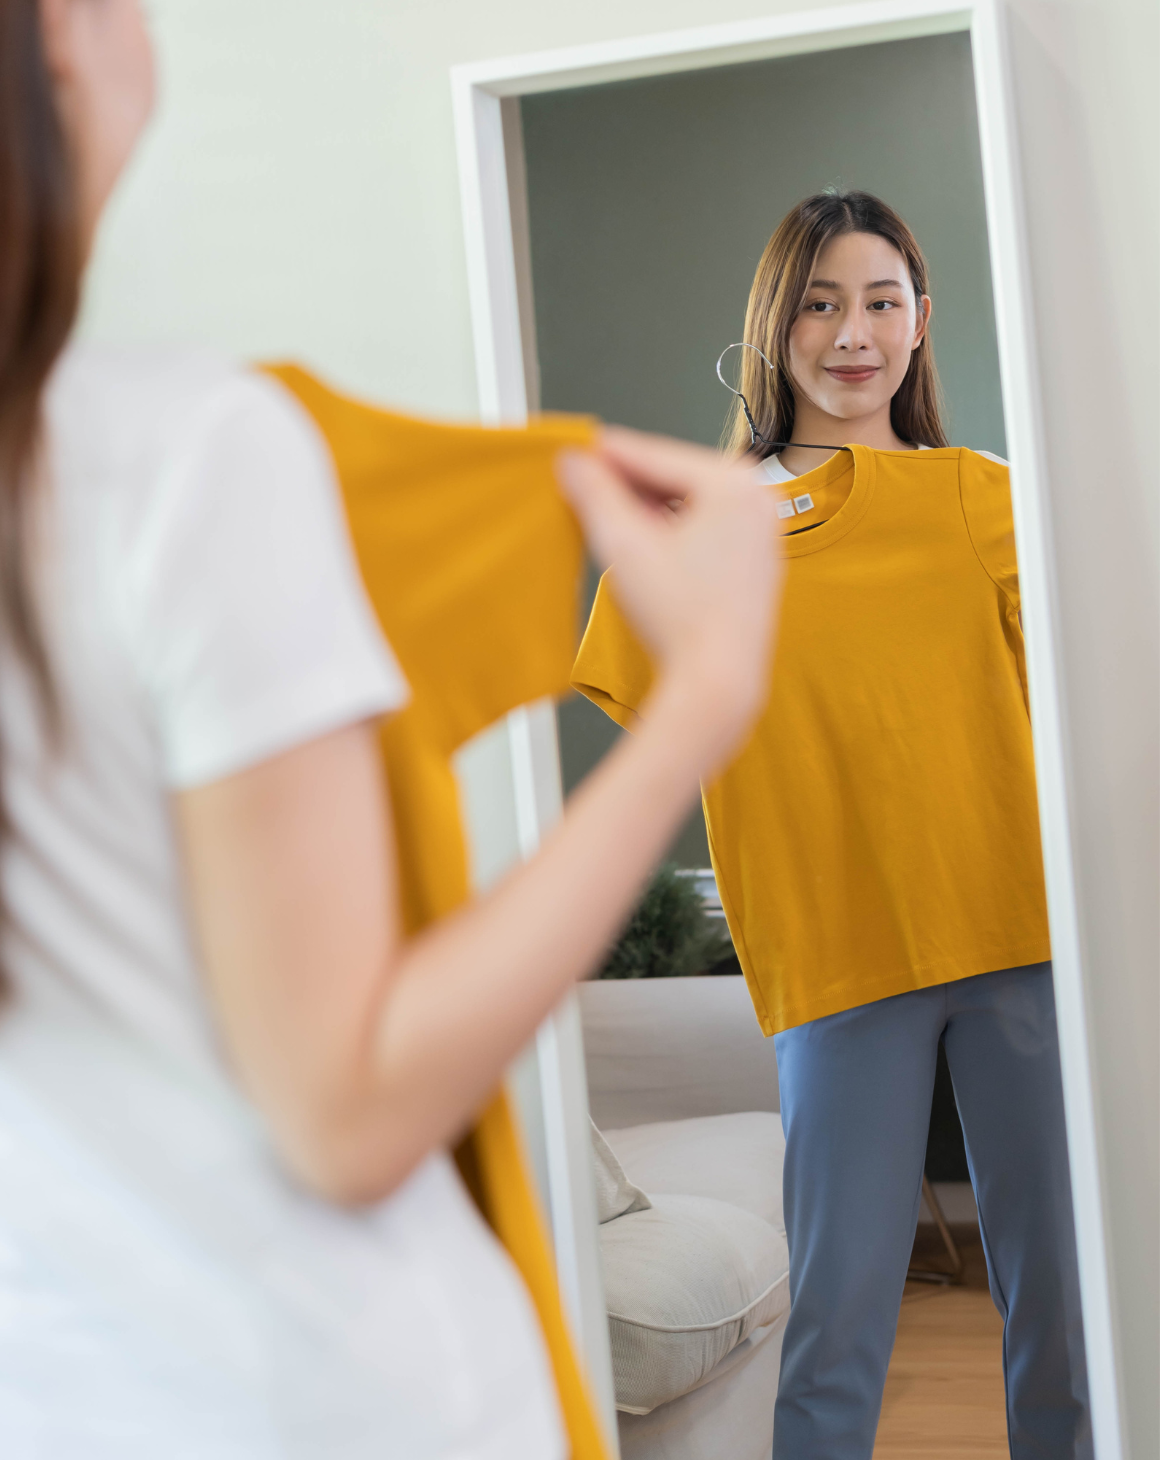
pixel 853 332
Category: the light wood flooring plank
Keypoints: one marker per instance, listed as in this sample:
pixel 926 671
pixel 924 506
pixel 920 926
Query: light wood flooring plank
pixel 944 1391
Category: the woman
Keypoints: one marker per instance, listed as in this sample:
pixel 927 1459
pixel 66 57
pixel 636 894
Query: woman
pixel 877 840
pixel 226 1082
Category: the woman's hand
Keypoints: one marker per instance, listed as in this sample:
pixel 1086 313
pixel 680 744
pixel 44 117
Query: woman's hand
pixel 691 539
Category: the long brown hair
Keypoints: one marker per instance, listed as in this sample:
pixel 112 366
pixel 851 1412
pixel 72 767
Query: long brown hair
pixel 40 270
pixel 780 286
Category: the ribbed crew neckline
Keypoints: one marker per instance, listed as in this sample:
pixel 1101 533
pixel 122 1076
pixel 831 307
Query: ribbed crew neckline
pixel 848 515
pixel 856 505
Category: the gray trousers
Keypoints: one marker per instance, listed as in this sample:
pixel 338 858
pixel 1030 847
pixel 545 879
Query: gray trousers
pixel 855 1104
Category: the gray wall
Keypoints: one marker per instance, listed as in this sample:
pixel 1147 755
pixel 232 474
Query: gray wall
pixel 651 201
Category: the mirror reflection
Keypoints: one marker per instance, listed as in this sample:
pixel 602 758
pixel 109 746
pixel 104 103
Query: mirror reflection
pixel 874 848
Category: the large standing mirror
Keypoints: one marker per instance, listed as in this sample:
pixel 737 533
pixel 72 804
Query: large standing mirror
pixel 617 202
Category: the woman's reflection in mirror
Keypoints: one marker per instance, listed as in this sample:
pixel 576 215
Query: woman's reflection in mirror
pixel 935 926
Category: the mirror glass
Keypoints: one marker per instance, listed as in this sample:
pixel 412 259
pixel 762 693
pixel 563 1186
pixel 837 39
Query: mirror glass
pixel 649 205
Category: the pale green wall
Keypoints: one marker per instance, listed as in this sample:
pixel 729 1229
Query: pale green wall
pixel 651 201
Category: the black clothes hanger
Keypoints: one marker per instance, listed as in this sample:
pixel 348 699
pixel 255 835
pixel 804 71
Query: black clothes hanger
pixel 755 435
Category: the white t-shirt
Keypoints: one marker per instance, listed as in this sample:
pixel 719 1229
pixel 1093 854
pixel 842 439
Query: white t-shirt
pixel 164 1288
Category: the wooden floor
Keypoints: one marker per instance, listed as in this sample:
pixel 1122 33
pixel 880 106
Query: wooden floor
pixel 944 1392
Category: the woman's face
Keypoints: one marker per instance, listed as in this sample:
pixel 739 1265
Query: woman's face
pixel 101 64
pixel 851 342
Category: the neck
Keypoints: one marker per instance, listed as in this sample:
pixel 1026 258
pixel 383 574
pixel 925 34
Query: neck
pixel 818 427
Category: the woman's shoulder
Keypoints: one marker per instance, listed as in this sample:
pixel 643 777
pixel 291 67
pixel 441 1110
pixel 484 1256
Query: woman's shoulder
pixel 170 369
pixel 990 456
pixel 129 425
pixel 969 450
pixel 963 464
pixel 145 398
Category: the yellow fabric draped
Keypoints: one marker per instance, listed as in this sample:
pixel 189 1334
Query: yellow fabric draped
pixel 472 561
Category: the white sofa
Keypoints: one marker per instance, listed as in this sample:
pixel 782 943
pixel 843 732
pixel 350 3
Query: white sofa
pixel 684 1087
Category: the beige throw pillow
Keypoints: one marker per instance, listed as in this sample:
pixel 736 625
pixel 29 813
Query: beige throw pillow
pixel 616 1196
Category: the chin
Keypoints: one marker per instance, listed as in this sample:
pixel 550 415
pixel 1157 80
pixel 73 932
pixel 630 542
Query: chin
pixel 851 407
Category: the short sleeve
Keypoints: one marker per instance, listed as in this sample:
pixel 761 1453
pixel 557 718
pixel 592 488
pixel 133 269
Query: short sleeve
pixel 985 490
pixel 245 614
pixel 612 668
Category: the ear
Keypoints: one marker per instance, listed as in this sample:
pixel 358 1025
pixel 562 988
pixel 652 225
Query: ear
pixel 922 324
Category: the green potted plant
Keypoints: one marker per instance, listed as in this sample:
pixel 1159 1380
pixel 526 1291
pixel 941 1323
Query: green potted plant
pixel 672 934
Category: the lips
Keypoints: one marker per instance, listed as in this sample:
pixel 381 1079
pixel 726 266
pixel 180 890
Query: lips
pixel 852 376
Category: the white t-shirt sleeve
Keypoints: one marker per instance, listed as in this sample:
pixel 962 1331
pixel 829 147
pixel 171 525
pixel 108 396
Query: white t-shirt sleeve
pixel 247 619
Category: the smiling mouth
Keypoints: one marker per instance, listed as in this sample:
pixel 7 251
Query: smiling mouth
pixel 853 374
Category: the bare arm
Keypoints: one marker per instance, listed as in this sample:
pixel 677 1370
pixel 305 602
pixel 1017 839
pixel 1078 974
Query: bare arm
pixel 367 1051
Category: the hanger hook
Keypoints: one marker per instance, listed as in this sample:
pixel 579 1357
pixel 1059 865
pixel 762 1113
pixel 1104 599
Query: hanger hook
pixel 738 345
pixel 754 434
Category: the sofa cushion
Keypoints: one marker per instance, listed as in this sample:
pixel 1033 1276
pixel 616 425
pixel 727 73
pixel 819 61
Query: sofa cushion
pixel 615 1194
pixel 686 1282
pixel 735 1158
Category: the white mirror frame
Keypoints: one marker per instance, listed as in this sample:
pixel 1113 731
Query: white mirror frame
pixel 490 164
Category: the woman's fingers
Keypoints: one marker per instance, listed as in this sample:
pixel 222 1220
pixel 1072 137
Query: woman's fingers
pixel 611 515
pixel 659 466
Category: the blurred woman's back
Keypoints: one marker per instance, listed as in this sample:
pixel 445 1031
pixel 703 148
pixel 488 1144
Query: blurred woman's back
pixel 228 1223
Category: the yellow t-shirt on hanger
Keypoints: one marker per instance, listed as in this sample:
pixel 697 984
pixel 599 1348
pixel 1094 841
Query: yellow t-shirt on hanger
pixel 879 832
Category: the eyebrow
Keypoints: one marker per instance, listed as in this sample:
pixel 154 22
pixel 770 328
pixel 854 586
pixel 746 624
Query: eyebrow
pixel 874 284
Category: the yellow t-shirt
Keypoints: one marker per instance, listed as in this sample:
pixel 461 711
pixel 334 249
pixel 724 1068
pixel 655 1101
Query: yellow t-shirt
pixel 879 832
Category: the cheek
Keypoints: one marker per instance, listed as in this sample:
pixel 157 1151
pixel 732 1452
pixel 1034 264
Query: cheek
pixel 798 363
pixel 895 330
pixel 894 338
pixel 808 340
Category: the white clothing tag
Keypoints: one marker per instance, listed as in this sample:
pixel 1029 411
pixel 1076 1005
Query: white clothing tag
pixel 804 503
pixel 785 509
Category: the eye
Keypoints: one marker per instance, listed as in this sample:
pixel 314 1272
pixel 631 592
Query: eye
pixel 819 306
pixel 882 305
